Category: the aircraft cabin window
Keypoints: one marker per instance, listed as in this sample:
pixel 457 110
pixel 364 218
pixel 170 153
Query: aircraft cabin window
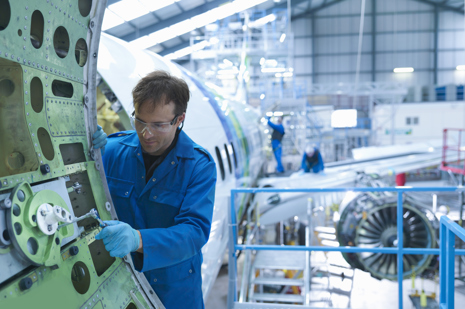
pixel 234 155
pixel 220 162
pixel 5 14
pixel 37 29
pixel 229 158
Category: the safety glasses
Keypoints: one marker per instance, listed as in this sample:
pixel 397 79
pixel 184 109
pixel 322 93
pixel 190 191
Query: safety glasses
pixel 153 127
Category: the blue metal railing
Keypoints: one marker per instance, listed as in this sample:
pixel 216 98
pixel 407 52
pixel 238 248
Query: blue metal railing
pixel 400 250
pixel 447 233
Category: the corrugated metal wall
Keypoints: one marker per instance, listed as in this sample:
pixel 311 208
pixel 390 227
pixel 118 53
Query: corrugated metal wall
pixel 326 43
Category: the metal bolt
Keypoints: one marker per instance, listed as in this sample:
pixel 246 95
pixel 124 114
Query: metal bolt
pixel 43 213
pixel 92 24
pixel 49 228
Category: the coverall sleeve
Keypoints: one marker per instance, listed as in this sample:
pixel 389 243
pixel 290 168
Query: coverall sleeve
pixel 277 127
pixel 303 165
pixel 168 246
pixel 320 161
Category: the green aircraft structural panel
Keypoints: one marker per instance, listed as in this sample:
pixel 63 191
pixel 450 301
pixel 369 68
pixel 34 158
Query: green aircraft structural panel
pixel 32 243
pixel 47 76
pixel 48 35
pixel 99 195
pixel 75 284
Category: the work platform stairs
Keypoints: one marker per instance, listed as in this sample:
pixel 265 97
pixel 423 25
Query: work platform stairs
pixel 294 262
pixel 298 277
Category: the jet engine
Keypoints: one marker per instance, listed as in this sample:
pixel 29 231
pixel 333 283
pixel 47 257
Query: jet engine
pixel 369 220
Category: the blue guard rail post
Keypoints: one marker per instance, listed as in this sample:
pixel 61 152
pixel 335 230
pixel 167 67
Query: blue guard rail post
pixel 447 233
pixel 446 251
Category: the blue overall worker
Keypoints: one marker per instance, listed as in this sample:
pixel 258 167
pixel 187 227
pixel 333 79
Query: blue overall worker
pixel 163 188
pixel 276 138
pixel 312 160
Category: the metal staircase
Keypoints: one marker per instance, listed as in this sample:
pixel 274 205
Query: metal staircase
pixel 288 260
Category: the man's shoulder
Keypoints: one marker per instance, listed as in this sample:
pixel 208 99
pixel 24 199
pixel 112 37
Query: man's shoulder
pixel 191 149
pixel 202 151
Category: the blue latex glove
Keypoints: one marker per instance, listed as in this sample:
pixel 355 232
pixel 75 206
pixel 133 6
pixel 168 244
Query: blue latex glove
pixel 119 238
pixel 99 139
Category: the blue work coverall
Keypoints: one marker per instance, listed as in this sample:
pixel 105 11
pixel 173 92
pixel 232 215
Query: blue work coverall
pixel 172 211
pixel 314 164
pixel 276 138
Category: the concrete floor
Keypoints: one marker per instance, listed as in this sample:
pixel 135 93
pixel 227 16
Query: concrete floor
pixel 218 297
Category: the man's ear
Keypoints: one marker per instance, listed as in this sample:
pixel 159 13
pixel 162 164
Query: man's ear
pixel 181 118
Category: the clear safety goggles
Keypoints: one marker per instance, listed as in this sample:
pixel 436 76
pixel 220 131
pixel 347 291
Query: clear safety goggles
pixel 153 127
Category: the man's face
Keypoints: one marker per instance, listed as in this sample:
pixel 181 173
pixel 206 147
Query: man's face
pixel 152 141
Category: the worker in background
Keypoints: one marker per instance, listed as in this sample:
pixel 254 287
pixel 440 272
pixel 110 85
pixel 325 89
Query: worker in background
pixel 163 188
pixel 312 160
pixel 276 137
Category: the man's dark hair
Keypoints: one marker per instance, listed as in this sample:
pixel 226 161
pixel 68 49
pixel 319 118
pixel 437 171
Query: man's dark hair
pixel 160 87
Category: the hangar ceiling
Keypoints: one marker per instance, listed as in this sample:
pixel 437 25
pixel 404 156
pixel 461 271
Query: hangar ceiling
pixel 146 22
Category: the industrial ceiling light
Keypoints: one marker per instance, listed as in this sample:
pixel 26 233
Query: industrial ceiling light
pixel 272 63
pixel 403 70
pixel 460 68
pixel 273 70
pixel 262 21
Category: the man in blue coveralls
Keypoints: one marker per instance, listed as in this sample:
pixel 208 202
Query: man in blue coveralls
pixel 163 188
pixel 312 160
pixel 276 137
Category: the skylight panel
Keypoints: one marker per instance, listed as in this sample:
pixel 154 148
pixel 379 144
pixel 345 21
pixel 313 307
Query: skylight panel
pixel 129 9
pixel 183 27
pixel 111 20
pixel 154 5
pixel 162 35
pixel 201 20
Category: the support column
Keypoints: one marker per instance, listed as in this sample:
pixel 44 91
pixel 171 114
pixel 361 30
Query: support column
pixel 313 32
pixel 373 40
pixel 435 56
